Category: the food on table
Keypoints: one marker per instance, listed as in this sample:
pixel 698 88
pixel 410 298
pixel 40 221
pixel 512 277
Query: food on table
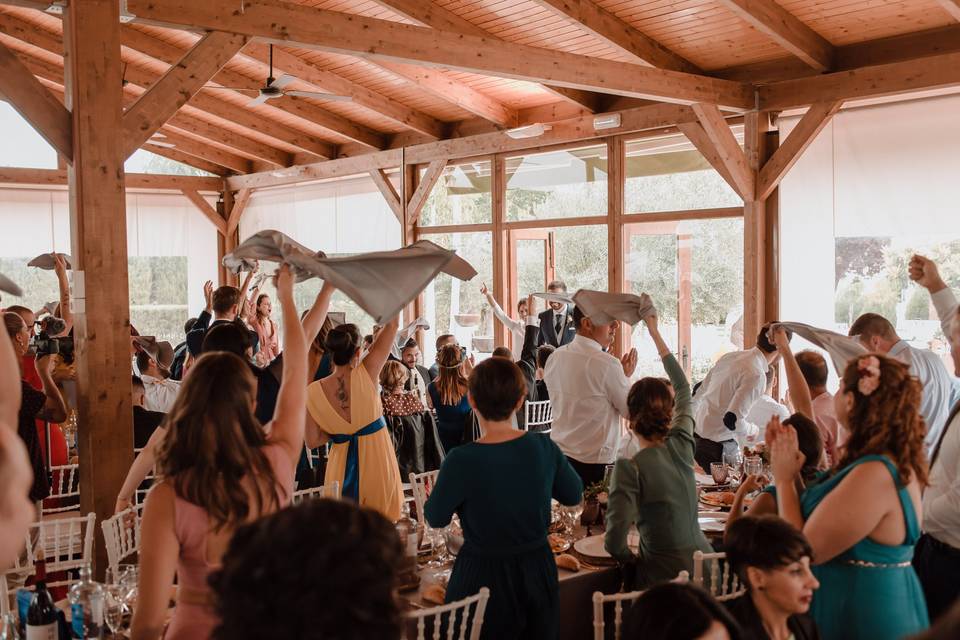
pixel 558 543
pixel 568 562
pixel 435 594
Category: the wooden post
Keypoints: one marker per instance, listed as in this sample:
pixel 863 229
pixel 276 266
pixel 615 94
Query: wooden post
pixel 498 186
pixel 223 276
pixel 756 125
pixel 99 242
pixel 772 238
pixel 616 251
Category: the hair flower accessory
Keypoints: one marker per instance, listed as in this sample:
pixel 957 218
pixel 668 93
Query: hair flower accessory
pixel 869 368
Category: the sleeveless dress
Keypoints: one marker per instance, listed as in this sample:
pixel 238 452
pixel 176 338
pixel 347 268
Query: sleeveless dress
pixel 870 591
pixel 193 618
pixel 362 458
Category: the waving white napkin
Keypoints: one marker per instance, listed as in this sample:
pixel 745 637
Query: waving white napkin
pixel 9 286
pixel 46 261
pixel 842 349
pixel 604 307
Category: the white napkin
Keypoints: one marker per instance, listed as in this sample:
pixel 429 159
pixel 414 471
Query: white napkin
pixel 603 307
pixel 842 349
pixel 46 261
pixel 9 286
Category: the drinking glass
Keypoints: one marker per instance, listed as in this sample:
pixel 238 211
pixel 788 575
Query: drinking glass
pixel 753 466
pixel 114 609
pixel 571 516
pixel 719 472
pixel 607 475
pixel 733 459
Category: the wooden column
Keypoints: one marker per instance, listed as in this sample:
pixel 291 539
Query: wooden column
pixel 616 251
pixel 223 276
pixel 772 238
pixel 408 184
pixel 755 268
pixel 498 186
pixel 99 244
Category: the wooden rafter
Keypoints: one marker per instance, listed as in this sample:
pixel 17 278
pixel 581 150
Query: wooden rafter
pixel 695 133
pixel 211 214
pixel 58 177
pixel 806 131
pixel 614 31
pixel 35 103
pixel 181 81
pixel 952 7
pixel 427 182
pixel 240 202
pixel 428 14
pixel 786 30
pixel 200 149
pixel 727 148
pixel 369 37
pixel 185 158
pixel 239 144
pixel 388 191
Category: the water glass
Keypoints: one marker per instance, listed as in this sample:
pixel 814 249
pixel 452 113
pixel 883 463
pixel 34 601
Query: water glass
pixel 734 461
pixel 719 472
pixel 753 466
pixel 114 609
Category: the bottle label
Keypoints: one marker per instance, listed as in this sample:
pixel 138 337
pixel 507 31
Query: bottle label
pixel 42 632
pixel 76 621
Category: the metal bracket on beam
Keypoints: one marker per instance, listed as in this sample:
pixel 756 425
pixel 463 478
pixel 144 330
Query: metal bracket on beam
pixel 56 8
pixel 125 14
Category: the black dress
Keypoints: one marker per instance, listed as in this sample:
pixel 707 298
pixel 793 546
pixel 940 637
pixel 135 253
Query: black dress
pixel 31 404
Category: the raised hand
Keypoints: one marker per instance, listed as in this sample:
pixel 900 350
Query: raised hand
pixel 531 305
pixel 781 339
pixel 483 289
pixel 652 322
pixel 283 281
pixel 208 293
pixel 629 362
pixel 785 457
pixel 924 272
pixel 59 264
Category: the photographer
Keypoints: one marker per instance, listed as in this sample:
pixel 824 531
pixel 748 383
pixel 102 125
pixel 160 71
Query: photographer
pixel 44 405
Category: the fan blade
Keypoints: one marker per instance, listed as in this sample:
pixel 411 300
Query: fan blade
pixel 318 95
pixel 282 81
pixel 260 99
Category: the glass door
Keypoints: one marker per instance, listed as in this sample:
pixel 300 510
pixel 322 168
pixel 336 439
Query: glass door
pixel 531 260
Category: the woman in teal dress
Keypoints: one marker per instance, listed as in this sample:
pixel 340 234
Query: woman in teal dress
pixel 656 489
pixel 501 486
pixel 862 519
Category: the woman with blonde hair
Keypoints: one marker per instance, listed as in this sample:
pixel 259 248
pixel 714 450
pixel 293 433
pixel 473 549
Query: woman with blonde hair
pixel 448 395
pixel 220 468
pixel 863 518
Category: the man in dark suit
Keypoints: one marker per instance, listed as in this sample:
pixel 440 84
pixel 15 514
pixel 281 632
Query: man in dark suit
pixel 224 303
pixel 556 323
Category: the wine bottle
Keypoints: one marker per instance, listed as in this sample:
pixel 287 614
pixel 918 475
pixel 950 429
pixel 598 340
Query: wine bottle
pixel 86 607
pixel 42 615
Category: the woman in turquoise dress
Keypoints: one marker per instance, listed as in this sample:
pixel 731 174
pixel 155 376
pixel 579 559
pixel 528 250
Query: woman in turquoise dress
pixel 862 519
pixel 501 486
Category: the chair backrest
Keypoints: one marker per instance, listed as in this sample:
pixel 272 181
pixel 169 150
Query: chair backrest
pixel 539 416
pixel 140 495
pixel 331 490
pixel 422 484
pixel 724 584
pixel 121 534
pixel 600 599
pixel 64 489
pixel 456 617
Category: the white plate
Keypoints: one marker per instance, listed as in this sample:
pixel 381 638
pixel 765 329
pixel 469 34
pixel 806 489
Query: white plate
pixel 592 547
pixel 713 521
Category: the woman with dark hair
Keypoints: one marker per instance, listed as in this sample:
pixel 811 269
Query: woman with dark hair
pixel 345 408
pixel 220 470
pixel 656 489
pixel 678 612
pixel 501 486
pixel 281 598
pixel 863 518
pixel 772 560
pixel 448 395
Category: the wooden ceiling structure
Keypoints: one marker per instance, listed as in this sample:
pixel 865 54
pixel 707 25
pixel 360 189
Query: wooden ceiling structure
pixel 420 83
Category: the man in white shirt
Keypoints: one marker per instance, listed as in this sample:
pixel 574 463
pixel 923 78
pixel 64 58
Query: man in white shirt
pixel 557 326
pixel 877 334
pixel 588 390
pixel 937 554
pixel 160 392
pixel 725 397
pixel 515 327
pixel 765 408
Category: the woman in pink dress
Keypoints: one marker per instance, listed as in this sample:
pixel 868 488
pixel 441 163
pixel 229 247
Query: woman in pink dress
pixel 221 469
pixel 266 328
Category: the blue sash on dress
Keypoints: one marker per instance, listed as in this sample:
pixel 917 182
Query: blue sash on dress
pixel 351 472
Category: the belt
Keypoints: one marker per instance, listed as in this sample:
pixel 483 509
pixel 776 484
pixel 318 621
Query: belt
pixel 351 472
pixel 503 552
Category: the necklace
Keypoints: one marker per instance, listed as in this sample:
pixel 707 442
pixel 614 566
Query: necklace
pixel 342 393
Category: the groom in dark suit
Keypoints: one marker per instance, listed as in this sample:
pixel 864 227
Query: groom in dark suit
pixel 556 323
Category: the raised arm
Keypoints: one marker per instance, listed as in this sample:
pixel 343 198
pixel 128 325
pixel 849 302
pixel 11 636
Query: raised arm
pixel 60 266
pixel 246 285
pixel 313 321
pixel 799 391
pixel 681 386
pixel 380 349
pixel 290 413
pixel 924 272
pixel 54 409
pixel 499 313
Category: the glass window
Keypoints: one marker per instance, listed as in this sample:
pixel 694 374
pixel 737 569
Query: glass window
pixel 557 184
pixel 22 145
pixel 669 174
pixel 693 271
pixel 158 296
pixel 461 196
pixel 457 307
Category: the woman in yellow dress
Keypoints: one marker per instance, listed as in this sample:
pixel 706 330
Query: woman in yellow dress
pixel 345 409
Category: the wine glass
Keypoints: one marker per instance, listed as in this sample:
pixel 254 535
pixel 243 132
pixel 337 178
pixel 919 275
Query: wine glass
pixel 718 471
pixel 571 515
pixel 114 609
pixel 734 460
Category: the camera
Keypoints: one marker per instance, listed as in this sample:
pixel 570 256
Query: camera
pixel 44 345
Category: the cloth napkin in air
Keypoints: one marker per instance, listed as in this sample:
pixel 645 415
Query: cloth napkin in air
pixel 408 331
pixel 842 349
pixel 46 261
pixel 549 296
pixel 271 246
pixel 604 307
pixel 9 286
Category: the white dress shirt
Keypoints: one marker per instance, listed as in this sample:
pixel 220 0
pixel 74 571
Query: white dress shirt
pixel 515 327
pixel 734 385
pixel 941 499
pixel 159 395
pixel 762 410
pixel 588 392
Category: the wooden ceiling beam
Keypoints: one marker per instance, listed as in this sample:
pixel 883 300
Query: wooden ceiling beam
pixel 952 7
pixel 695 133
pixel 208 211
pixel 200 149
pixel 425 186
pixel 240 202
pixel 614 31
pixel 185 158
pixel 786 30
pixel 897 77
pixel 35 103
pixel 180 83
pixel 58 177
pixel 386 188
pixel 368 37
pixel 727 148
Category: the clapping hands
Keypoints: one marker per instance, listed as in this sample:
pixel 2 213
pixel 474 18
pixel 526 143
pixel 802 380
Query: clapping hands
pixel 786 459
pixel 629 362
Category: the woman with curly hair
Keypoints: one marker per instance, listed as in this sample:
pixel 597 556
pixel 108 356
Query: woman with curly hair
pixel 862 519
pixel 656 489
pixel 335 585
pixel 220 468
pixel 448 395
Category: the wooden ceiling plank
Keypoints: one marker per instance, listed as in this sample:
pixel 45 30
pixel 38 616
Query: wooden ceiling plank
pixel 625 37
pixel 952 7
pixel 786 30
pixel 427 182
pixel 204 151
pixel 181 81
pixel 727 148
pixel 187 159
pixel 783 159
pixel 240 202
pixel 368 37
pixel 884 79
pixel 388 191
pixel 35 103
pixel 201 203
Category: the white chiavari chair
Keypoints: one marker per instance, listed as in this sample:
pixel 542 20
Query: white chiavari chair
pixel 600 599
pixel 331 490
pixel 422 484
pixel 140 495
pixel 64 490
pixel 539 417
pixel 456 617
pixel 724 584
pixel 121 534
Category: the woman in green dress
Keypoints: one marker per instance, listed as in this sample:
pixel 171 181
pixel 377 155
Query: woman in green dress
pixel 656 489
pixel 501 486
pixel 862 520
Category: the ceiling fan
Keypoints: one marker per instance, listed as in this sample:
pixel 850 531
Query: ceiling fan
pixel 274 88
